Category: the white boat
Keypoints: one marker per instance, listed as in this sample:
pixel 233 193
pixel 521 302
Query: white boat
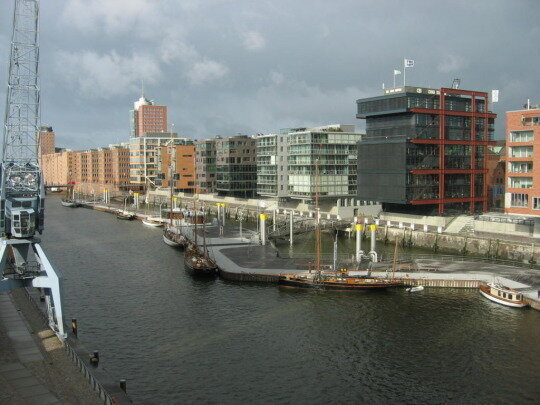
pixel 415 289
pixel 70 203
pixel 502 295
pixel 152 222
pixel 170 242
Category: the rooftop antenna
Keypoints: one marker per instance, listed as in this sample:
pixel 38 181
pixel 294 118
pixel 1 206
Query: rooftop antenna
pixel 456 83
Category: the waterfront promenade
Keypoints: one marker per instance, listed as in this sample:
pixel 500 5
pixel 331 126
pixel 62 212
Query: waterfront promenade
pixel 34 367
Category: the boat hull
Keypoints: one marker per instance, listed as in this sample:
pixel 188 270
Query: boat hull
pixel 285 281
pixel 153 224
pixel 197 265
pixel 171 242
pixel 502 302
pixel 70 204
pixel 125 217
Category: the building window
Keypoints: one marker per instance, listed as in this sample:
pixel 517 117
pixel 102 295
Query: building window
pixel 528 121
pixel 519 200
pixel 521 151
pixel 536 203
pixel 521 136
pixel 521 167
pixel 520 182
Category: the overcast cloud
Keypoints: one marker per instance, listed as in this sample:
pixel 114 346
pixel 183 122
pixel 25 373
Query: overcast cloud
pixel 230 66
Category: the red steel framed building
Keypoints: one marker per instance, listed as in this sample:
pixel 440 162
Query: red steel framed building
pixel 424 150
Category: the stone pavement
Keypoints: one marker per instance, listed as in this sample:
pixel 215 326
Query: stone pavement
pixel 18 385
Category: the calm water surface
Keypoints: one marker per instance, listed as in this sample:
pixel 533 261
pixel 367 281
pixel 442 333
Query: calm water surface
pixel 181 340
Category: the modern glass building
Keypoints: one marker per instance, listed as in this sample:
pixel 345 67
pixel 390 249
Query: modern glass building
pixel 286 162
pixel 205 162
pixel 424 150
pixel 236 167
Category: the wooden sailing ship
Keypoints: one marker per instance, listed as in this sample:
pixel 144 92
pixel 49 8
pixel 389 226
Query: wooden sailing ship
pixel 197 260
pixel 332 281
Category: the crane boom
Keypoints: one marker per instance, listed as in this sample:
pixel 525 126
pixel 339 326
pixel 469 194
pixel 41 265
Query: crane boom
pixel 22 194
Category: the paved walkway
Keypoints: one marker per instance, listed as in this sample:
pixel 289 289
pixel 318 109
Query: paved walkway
pixel 18 385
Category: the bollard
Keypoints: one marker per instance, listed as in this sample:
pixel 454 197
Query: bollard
pixel 262 218
pixel 74 327
pixel 123 385
pixel 425 228
pixel 358 228
pixel 274 221
pixel 94 358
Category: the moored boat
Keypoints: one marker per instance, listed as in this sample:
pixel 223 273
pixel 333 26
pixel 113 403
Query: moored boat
pixel 173 239
pixel 198 263
pixel 152 222
pixel 66 202
pixel 502 295
pixel 125 215
pixel 324 281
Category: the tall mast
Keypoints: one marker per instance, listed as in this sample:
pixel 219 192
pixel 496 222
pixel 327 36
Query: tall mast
pixel 317 227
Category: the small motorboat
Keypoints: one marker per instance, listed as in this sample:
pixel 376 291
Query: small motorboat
pixel 502 295
pixel 152 222
pixel 125 215
pixel 415 288
pixel 173 239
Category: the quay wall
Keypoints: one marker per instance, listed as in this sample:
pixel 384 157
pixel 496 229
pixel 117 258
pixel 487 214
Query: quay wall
pixel 109 392
pixel 460 244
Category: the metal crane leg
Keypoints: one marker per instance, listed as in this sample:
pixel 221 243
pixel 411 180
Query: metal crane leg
pixel 42 276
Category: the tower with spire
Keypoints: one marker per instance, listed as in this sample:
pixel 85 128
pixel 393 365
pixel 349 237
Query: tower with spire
pixel 147 117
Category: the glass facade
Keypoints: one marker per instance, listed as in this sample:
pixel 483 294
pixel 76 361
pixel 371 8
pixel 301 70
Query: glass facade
pixel 411 121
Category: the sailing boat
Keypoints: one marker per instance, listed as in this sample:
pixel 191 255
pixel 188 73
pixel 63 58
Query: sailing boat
pixel 331 281
pixel 171 236
pixel 70 201
pixel 197 261
pixel 125 214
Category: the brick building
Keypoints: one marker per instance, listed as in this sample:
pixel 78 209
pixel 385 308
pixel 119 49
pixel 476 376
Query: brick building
pixel 92 170
pixel 522 195
pixel 185 167
pixel 147 117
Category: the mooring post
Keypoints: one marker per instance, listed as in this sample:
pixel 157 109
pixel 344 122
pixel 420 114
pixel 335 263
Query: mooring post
pixel 274 220
pixel 123 385
pixel 262 228
pixel 74 327
pixel 358 228
pixel 291 225
pixel 373 253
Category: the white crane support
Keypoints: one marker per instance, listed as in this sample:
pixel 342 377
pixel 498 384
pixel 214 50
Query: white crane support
pixel 22 194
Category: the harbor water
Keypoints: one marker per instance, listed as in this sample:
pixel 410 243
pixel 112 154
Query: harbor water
pixel 182 340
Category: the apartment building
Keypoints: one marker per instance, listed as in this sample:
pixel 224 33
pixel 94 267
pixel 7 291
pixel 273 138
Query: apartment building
pixel 236 166
pixel 522 195
pixel 183 168
pixel 297 163
pixel 92 170
pixel 205 165
pixel 143 153
pixel 424 150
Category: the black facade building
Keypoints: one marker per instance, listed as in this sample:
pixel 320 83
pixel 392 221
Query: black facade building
pixel 424 150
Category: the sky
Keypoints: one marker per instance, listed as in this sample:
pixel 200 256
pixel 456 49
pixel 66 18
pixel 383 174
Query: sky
pixel 255 66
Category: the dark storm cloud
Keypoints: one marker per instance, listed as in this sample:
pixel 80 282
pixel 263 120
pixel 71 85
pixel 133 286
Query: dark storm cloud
pixel 225 67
